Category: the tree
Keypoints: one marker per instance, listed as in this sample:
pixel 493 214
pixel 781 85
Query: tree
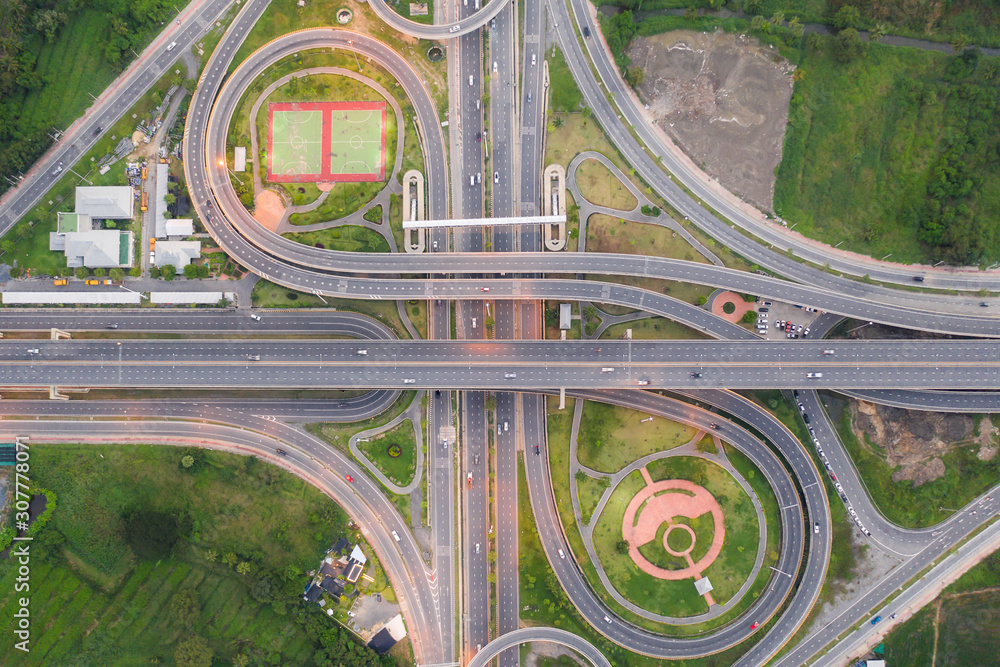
pixel 634 76
pixel 760 23
pixel 243 568
pixel 168 271
pixel 135 271
pixel 847 16
pixel 187 461
pixel 190 271
pixel 185 608
pixel 777 19
pixel 203 271
pixel 154 272
pixel 211 555
pixel 116 274
pixel 878 32
pixel 194 652
pixel 100 272
pixel 753 7
pixel 557 121
pixel 795 25
pixel 7 246
pixel 169 198
pixel 847 46
pixel 82 272
pixel 749 317
pixel 621 546
pixel 22 229
pixel 151 534
pixel 959 42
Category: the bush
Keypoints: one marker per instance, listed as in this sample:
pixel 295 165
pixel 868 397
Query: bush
pixel 82 272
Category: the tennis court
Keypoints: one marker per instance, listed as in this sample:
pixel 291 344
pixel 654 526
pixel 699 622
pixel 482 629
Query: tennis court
pixel 326 142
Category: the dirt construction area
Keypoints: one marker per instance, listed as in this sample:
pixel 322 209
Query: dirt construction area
pixel 723 99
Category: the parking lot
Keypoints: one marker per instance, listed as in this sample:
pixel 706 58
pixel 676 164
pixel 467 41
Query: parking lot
pixel 796 320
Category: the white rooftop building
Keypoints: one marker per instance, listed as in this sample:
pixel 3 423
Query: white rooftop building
pixel 99 248
pixel 179 227
pixel 177 253
pixel 106 202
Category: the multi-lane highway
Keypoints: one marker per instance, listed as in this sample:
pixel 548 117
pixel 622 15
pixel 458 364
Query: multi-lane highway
pixel 515 365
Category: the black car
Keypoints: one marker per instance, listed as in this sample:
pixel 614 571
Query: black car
pixel 586 31
pixel 281 452
pixel 918 279
pixel 97 130
pixel 537 450
pixel 714 425
pixel 696 375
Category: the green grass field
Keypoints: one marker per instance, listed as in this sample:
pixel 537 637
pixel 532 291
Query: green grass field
pixel 890 153
pixel 350 238
pixel 611 437
pixel 95 601
pixel 296 142
pixel 356 141
pixel 401 468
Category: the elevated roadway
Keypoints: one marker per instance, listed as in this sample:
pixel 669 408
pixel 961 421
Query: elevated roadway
pixel 439 31
pixel 519 365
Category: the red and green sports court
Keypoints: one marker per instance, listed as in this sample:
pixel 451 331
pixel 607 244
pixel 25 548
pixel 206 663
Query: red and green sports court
pixel 326 142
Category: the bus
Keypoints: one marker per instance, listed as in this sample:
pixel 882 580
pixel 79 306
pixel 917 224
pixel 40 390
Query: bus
pixel 145 201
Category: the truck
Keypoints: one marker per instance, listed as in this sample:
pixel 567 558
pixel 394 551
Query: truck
pixel 145 202
pixel 144 172
pixel 60 281
pixel 469 478
pixel 94 281
pixel 152 243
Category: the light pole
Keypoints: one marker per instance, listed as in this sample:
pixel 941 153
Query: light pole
pixel 350 43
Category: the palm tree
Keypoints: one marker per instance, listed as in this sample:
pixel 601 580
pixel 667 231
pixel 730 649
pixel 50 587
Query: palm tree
pixel 878 32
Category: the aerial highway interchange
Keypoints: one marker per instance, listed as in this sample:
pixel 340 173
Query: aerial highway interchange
pixel 446 604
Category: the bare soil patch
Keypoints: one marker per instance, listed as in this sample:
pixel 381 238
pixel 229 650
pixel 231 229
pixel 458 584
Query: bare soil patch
pixel 914 440
pixel 268 209
pixel 723 99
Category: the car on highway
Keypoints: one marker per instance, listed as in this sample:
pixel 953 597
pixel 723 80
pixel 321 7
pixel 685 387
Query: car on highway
pixel 496 176
pixel 829 352
pixel 537 451
pixel 562 554
pixel 409 380
pixel 876 620
pixel 472 80
pixel 816 528
pixel 529 97
pixel 713 425
pixel 112 326
pixel 255 317
pixel 494 67
pixel 643 383
pixel 506 426
pixel 918 279
pixel 395 536
pixel 469 480
pixel 454 28
pixel 477 547
pixel 814 375
pixel 171 45
pixel 607 370
pixel 281 452
pixel 253 357
pixel 97 130
pixel 58 169
pixel 586 31
pixel 696 375
pixel 509 376
pixel 472 180
pixel 349 478
pixel 363 353
pixel 479 177
pixel 607 620
pixel 34 350
pixel 755 625
pixel 533 59
pixel 484 289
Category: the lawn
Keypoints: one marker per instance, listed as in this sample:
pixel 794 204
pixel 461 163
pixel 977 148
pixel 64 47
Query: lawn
pixel 589 492
pixel 609 234
pixel 563 92
pixel 653 328
pixel 727 573
pixel 966 476
pixel 110 592
pixel 602 188
pixel 349 238
pixel 611 437
pixel 270 295
pixel 394 452
pixel 891 153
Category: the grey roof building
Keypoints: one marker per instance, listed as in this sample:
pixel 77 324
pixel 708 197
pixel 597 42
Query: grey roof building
pixel 105 202
pixel 178 253
pixel 100 248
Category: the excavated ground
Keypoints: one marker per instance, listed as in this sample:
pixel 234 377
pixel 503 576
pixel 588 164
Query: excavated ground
pixel 724 100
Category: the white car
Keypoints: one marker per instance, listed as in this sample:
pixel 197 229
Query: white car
pixel 395 536
pixel 643 383
pixel 506 426
pixel 510 376
pixel 494 67
pixel 532 58
pixel 363 353
pixel 562 554
pixel 409 381
pixel 496 176
pixel 471 80
pixel 255 317
pixel 454 28
pixel 814 375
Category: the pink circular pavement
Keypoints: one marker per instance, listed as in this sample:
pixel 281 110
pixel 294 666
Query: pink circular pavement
pixel 733 298
pixel 651 507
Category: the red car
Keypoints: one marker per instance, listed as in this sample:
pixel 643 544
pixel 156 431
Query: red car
pixel 349 478
pixel 755 626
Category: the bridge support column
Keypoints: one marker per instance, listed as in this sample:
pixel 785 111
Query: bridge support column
pixel 58 334
pixel 562 398
pixel 55 395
